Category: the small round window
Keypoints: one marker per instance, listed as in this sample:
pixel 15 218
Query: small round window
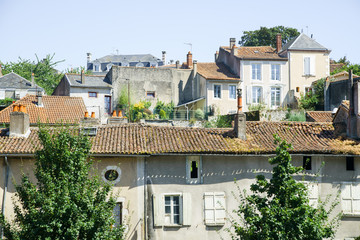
pixel 111 174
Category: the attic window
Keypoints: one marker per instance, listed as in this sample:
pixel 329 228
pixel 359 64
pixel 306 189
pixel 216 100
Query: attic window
pixel 350 164
pixel 307 162
pixel 150 94
pixel 89 131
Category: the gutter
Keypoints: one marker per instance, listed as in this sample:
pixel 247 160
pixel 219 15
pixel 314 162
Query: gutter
pixel 5 190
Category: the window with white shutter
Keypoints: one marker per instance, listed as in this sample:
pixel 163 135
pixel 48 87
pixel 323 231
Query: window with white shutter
pixel 350 198
pixel 306 66
pixel 214 208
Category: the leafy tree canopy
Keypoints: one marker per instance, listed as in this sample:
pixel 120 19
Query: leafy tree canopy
pixel 45 74
pixel 280 209
pixel 346 66
pixel 267 36
pixel 65 203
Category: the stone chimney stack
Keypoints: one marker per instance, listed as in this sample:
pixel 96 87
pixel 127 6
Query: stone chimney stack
pixel 1 71
pixel 189 61
pixel 164 57
pixel 19 122
pixel 177 64
pixel 194 82
pixel 88 57
pixel 240 119
pixel 82 77
pixel 39 99
pixel 278 43
pixel 232 42
pixel 233 50
pixel 32 80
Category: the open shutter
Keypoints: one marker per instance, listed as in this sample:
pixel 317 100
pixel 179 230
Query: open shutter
pixel 346 197
pixel 209 209
pixel 186 209
pixel 220 206
pixel 356 198
pixel 248 95
pixel 313 194
pixel 158 209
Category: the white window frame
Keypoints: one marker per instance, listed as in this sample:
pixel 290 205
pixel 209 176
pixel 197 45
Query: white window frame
pixel 275 73
pixel 217 97
pixel 351 199
pixel 253 97
pixel 256 71
pixel 230 95
pixel 214 208
pixel 272 90
pixel 116 168
pixel 185 213
pixel 98 66
pixel 189 179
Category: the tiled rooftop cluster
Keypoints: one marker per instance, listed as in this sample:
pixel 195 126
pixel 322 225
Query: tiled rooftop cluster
pixel 136 139
pixel 319 116
pixel 217 71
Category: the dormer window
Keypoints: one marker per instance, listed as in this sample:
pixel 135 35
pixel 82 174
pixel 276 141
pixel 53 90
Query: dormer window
pixel 96 68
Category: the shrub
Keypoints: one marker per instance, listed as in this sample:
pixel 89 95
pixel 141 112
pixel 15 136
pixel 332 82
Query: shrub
pixel 162 114
pixel 199 114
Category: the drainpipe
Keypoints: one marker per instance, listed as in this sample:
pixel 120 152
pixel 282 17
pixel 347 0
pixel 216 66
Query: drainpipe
pixel 5 190
pixel 187 112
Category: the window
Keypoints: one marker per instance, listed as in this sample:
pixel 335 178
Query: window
pixel 350 198
pixel 297 89
pixel 193 170
pixel 232 91
pixel 92 94
pixel 150 94
pixel 214 208
pixel 118 214
pixel 308 89
pixel 350 166
pixel 256 71
pixel 275 96
pixel 309 66
pixel 256 94
pixel 96 68
pixel 307 162
pixel 217 91
pixel 172 209
pixel 275 72
pixel 111 174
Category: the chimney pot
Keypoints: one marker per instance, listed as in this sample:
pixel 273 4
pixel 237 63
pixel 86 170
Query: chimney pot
pixel 114 113
pixel 164 57
pixel 189 60
pixel 86 114
pixel 278 43
pixel 88 57
pixel 120 113
pixel 177 64
pixel 16 108
pixel 232 42
pixel 92 114
pixel 39 99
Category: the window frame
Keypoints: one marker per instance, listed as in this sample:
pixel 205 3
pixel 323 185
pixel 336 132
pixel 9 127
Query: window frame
pixel 307 165
pixel 230 93
pixel 150 94
pixel 275 72
pixel 189 179
pixel 215 207
pixel 215 95
pixel 256 71
pixel 172 207
pixel 121 214
pixel 258 98
pixel 271 96
pixel 96 94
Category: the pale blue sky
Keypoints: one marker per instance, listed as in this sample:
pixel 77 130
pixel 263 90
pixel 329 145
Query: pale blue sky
pixel 71 28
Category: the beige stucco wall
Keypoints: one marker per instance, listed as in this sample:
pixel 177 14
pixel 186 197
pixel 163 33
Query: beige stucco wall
pixel 266 83
pixel 129 190
pixel 296 65
pixel 223 105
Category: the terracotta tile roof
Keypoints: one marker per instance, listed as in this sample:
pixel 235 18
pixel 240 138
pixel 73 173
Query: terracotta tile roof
pixel 319 116
pixel 215 71
pixel 154 140
pixel 335 66
pixel 256 53
pixel 55 109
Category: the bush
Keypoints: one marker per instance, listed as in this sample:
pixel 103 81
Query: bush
pixel 162 114
pixel 223 121
pixel 6 101
pixel 199 114
pixel 295 116
pixel 308 101
pixel 167 108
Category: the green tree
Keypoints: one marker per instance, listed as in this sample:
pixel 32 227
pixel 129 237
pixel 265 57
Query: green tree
pixel 267 36
pixel 280 209
pixel 65 203
pixel 45 74
pixel 78 70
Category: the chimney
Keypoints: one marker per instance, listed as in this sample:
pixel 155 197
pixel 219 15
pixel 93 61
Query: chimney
pixel 278 42
pixel 177 64
pixel 88 57
pixel 189 60
pixel 164 57
pixel 32 80
pixel 194 82
pixel 232 42
pixel 82 77
pixel 194 67
pixel 216 56
pixel 233 50
pixel 19 123
pixel 1 71
pixel 240 119
pixel 39 99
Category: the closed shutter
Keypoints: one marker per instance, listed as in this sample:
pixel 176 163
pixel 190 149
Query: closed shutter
pixel 186 209
pixel 214 208
pixel 306 66
pixel 312 65
pixel 158 209
pixel 346 197
pixel 356 198
pixel 313 194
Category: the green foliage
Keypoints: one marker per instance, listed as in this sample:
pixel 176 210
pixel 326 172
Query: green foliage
pixel 295 116
pixel 140 111
pixel 162 114
pixel 167 108
pixel 308 101
pixel 45 74
pixel 64 203
pixel 192 121
pixel 257 107
pixel 6 101
pixel 199 114
pixel 78 70
pixel 123 99
pixel 223 121
pixel 347 66
pixel 280 209
pixel 267 36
